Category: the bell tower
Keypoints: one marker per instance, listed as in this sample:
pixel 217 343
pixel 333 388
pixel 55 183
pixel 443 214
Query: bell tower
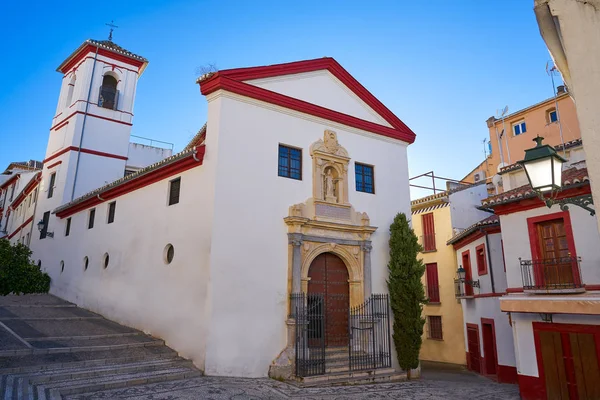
pixel 89 135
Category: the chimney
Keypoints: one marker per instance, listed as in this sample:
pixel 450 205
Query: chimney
pixel 490 121
pixel 561 89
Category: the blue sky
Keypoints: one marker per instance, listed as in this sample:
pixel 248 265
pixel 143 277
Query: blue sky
pixel 443 67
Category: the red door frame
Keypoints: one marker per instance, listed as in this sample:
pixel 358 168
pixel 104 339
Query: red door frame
pixel 536 246
pixel 491 322
pixel 562 328
pixel 476 327
pixel 466 261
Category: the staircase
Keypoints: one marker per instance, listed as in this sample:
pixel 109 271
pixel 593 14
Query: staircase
pixel 337 371
pixel 36 363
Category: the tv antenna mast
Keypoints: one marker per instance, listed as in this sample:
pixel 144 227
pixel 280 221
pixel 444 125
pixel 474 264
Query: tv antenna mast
pixel 501 114
pixel 552 71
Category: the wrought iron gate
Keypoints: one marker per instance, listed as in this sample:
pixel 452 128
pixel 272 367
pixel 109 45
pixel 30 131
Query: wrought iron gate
pixel 370 341
pixel 308 310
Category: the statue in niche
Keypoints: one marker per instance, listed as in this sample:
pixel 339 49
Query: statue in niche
pixel 330 186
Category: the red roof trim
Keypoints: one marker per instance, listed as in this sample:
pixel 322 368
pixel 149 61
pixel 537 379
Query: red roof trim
pixel 11 180
pixel 137 183
pixel 534 202
pixel 75 58
pixel 231 80
pixel 478 234
pixel 23 225
pixel 26 190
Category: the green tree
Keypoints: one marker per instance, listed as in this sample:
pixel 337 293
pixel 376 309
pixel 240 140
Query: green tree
pixel 407 294
pixel 18 274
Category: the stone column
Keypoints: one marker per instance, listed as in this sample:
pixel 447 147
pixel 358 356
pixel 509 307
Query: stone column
pixel 366 248
pixel 295 239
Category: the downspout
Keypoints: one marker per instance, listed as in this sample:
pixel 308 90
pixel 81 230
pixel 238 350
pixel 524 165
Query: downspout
pixel 87 105
pixel 489 256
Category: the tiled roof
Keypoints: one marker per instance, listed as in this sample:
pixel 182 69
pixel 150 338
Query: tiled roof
pixel 568 145
pixel 575 176
pixel 198 138
pixel 492 220
pixel 112 46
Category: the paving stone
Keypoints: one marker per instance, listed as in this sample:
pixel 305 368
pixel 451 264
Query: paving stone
pixel 9 342
pixel 32 300
pixel 44 312
pixel 31 329
pixel 47 344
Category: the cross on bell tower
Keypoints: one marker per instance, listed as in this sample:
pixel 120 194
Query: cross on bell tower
pixel 112 26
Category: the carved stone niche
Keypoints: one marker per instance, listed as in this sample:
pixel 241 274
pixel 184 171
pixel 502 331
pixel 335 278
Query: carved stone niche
pixel 330 170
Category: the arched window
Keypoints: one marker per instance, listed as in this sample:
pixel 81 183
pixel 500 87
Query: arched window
pixel 108 93
pixel 70 90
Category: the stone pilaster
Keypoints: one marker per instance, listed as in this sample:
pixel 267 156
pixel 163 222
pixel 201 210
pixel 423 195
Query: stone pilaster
pixel 295 239
pixel 366 249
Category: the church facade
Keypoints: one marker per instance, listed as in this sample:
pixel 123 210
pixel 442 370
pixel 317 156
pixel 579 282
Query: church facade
pixel 289 188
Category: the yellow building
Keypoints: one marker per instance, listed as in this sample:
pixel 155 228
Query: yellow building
pixel 435 219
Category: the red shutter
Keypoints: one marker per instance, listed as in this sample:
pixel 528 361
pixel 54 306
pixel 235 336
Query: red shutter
pixel 428 232
pixel 433 288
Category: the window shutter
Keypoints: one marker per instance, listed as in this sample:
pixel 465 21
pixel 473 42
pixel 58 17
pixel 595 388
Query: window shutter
pixel 175 186
pixel 433 290
pixel 51 185
pixel 428 232
pixel 111 212
pixel 91 220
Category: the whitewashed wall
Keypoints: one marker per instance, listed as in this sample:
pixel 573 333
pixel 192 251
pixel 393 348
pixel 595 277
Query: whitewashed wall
pixel 24 211
pixel 249 252
pixel 463 205
pixel 496 262
pixel 141 155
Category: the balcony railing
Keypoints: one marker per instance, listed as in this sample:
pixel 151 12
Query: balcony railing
pixel 552 274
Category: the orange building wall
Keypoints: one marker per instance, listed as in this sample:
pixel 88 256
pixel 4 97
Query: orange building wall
pixel 537 124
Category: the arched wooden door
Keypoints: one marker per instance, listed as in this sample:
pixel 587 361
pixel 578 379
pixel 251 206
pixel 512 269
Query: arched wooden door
pixel 329 276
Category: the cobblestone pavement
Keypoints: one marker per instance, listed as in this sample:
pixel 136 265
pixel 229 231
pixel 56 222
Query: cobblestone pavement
pixel 433 386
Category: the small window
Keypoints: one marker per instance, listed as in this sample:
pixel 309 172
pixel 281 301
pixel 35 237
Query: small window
pixel 481 260
pixel 169 253
pixel 62 267
pixel 552 116
pixel 68 227
pixel 86 262
pixel 91 217
pixel 12 192
pixel 46 219
pixel 111 212
pixel 364 178
pixel 290 162
pixel 108 93
pixel 174 188
pixel 51 185
pixel 435 327
pixel 519 128
pixel 105 260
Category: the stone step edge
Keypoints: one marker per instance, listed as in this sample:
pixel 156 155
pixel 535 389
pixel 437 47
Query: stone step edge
pixel 349 374
pixel 87 337
pixel 59 350
pixel 49 318
pixel 108 370
pixel 87 363
pixel 124 383
pixel 38 306
pixel 387 377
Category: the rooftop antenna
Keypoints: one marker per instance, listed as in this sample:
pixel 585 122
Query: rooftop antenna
pixel 503 114
pixel 553 71
pixel 112 26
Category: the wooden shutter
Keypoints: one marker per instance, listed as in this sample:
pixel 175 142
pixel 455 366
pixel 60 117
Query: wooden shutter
pixel 433 290
pixel 481 260
pixel 428 232
pixel 111 212
pixel 68 229
pixel 174 191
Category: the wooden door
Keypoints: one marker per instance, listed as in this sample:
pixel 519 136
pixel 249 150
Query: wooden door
pixel 468 274
pixel 585 365
pixel 328 275
pixel 473 346
pixel 489 348
pixel 554 248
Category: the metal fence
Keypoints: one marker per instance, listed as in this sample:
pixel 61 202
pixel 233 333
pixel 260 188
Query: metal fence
pixel 309 313
pixel 551 273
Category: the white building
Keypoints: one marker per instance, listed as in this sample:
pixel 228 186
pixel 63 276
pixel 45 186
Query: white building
pixel 553 293
pixel 299 171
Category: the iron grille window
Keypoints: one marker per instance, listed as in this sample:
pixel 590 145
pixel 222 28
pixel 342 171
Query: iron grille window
pixel 91 218
pixel 51 185
pixel 364 178
pixel 108 93
pixel 68 228
pixel 111 212
pixel 45 218
pixel 290 162
pixel 435 327
pixel 174 189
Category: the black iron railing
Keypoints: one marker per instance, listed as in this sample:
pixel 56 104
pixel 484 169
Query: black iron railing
pixel 370 338
pixel 308 310
pixel 551 273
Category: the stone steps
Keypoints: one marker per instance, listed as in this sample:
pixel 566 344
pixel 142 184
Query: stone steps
pixel 354 378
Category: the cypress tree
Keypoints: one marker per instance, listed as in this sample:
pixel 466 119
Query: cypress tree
pixel 407 294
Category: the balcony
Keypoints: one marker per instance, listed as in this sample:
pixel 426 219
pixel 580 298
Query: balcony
pixel 552 275
pixel 463 290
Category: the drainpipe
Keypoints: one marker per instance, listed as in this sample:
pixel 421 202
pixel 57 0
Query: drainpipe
pixel 489 256
pixel 87 105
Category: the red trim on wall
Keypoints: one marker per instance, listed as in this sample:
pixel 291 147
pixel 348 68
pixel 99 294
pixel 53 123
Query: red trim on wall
pixel 137 183
pixel 534 202
pixel 592 287
pixel 21 227
pixel 531 387
pixel 58 126
pixel 514 290
pixel 96 104
pixel 476 235
pixel 88 151
pixel 476 296
pixel 90 115
pixel 507 374
pixel 26 190
pixel 491 322
pixel 481 269
pixel 54 165
pixel 11 180
pixel 101 52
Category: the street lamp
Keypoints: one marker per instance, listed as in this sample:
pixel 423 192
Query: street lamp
pixel 42 225
pixel 543 167
pixel 462 275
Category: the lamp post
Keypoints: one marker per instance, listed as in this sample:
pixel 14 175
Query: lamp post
pixel 42 225
pixel 462 275
pixel 543 167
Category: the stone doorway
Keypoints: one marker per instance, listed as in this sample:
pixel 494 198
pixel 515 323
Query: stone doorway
pixel 328 275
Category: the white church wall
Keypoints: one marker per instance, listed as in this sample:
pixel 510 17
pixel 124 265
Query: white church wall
pixel 323 89
pixel 249 250
pixel 141 156
pixel 138 288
